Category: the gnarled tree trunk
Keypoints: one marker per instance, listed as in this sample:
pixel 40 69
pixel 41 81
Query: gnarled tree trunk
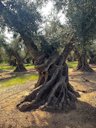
pixel 82 61
pixel 19 62
pixel 20 68
pixel 53 90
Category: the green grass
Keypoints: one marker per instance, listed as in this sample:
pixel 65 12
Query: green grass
pixel 72 64
pixel 18 80
pixel 29 66
pixel 7 67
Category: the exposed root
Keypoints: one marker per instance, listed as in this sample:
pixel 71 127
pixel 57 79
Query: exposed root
pixel 54 93
pixel 85 68
pixel 82 61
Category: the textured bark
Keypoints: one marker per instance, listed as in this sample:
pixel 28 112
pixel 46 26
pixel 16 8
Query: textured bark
pixel 19 62
pixel 82 62
pixel 18 59
pixel 53 90
pixel 92 59
pixel 20 68
pixel 12 62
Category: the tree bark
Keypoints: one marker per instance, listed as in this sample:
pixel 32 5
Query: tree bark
pixel 53 90
pixel 20 68
pixel 82 61
pixel 19 63
pixel 12 62
pixel 92 59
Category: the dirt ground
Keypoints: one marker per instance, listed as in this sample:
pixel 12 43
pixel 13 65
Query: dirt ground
pixel 83 117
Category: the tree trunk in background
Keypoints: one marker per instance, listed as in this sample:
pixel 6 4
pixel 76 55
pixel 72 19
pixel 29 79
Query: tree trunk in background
pixel 12 62
pixel 20 68
pixel 92 59
pixel 19 62
pixel 53 90
pixel 82 62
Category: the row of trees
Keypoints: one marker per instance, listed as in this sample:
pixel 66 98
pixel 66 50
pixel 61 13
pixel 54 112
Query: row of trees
pixel 16 54
pixel 49 49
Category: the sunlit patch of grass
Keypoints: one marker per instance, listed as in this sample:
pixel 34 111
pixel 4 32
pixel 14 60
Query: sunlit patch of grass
pixel 6 67
pixel 19 80
pixel 72 64
pixel 29 66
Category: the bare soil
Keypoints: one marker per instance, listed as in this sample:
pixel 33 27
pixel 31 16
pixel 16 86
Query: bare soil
pixel 83 117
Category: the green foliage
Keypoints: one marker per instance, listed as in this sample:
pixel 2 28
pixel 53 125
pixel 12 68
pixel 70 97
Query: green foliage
pixel 3 55
pixel 57 37
pixel 82 17
pixel 22 16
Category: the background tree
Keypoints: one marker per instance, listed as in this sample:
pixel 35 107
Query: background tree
pixel 14 49
pixel 92 53
pixel 2 53
pixel 82 17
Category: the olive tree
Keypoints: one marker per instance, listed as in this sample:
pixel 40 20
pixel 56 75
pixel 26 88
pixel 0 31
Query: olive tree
pixel 82 17
pixel 53 90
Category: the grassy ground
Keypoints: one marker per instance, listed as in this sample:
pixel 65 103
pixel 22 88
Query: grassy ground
pixel 18 80
pixel 8 78
pixel 29 66
pixel 12 79
pixel 72 64
pixel 7 67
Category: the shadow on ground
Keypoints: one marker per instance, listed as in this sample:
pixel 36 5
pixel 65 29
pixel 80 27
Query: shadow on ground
pixel 83 117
